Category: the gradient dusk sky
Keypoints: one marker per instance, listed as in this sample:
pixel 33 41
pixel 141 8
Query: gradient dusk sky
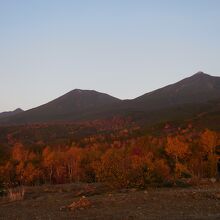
pixel 121 47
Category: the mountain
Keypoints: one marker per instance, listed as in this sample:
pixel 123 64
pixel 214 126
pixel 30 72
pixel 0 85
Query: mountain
pixel 184 99
pixel 70 106
pixel 10 113
pixel 196 89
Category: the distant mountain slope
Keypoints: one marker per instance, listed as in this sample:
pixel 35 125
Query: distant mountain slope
pixel 10 113
pixel 185 98
pixel 198 88
pixel 67 107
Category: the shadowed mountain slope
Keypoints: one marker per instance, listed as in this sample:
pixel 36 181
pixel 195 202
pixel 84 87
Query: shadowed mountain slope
pixel 198 88
pixel 67 107
pixel 10 113
pixel 186 98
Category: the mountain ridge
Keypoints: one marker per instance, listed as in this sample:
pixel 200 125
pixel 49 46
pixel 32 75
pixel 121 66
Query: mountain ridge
pixel 79 105
pixel 198 88
pixel 10 113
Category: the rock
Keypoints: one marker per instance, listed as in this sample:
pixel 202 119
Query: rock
pixel 81 204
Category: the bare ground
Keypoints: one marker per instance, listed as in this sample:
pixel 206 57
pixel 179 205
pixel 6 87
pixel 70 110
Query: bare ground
pixel 51 202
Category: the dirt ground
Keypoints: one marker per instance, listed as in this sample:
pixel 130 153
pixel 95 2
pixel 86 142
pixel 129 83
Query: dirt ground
pixel 52 203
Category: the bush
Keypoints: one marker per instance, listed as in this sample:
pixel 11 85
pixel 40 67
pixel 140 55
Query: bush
pixel 16 194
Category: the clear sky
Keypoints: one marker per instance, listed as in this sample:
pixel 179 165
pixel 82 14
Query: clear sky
pixel 121 47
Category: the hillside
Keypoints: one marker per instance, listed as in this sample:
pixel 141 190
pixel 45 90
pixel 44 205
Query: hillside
pixel 185 98
pixel 70 106
pixel 196 89
pixel 10 113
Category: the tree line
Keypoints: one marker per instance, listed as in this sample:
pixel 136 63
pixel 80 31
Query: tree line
pixel 137 162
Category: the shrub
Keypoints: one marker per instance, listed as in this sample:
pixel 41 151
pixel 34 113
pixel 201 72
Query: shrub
pixel 16 194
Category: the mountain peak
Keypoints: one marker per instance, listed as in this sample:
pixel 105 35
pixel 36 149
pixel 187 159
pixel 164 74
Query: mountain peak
pixel 74 105
pixel 198 88
pixel 18 110
pixel 200 74
pixel 10 113
pixel 78 90
pixel 83 92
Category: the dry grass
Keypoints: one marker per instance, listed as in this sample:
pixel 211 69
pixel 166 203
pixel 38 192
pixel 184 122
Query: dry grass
pixel 16 194
pixel 201 202
pixel 81 204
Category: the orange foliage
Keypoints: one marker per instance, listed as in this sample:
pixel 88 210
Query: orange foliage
pixel 114 159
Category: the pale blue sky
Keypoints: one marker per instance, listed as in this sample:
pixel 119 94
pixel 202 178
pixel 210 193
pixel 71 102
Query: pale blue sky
pixel 121 47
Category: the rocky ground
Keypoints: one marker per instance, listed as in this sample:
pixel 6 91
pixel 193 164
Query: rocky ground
pixel 96 201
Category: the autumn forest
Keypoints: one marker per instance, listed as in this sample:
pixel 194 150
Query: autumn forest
pixel 119 155
pixel 164 138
